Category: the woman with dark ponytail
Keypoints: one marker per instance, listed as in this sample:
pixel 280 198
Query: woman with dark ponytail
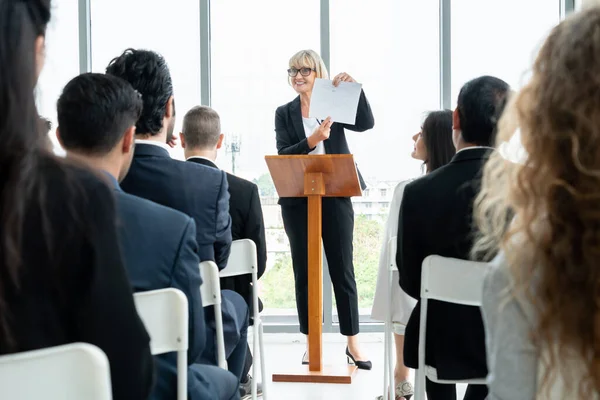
pixel 61 275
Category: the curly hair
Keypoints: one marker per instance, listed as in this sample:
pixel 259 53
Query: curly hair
pixel 544 213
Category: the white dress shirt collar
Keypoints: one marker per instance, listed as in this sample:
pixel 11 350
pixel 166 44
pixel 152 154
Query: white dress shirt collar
pixel 153 143
pixel 201 158
pixel 475 147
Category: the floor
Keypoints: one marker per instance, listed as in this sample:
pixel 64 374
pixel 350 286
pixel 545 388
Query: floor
pixel 283 350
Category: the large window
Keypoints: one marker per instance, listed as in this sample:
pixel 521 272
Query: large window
pixel 62 61
pixel 171 29
pixel 250 49
pixel 393 51
pixel 391 47
pixel 499 38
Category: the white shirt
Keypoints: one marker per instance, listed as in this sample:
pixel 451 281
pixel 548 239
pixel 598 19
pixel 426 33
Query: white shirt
pixel 201 158
pixel 310 124
pixel 475 147
pixel 153 143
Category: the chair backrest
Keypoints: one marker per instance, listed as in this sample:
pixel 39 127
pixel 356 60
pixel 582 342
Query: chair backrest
pixel 210 290
pixel 453 280
pixel 69 372
pixel 242 260
pixel 165 315
pixel 392 248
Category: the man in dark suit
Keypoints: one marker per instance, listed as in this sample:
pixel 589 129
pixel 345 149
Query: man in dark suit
pixel 196 190
pixel 436 218
pixel 201 137
pixel 97 115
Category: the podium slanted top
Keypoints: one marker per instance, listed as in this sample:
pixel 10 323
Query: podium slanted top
pixel 339 174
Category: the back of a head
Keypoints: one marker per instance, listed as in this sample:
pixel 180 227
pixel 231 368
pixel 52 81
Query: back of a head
pixel 552 243
pixel 94 111
pixel 201 128
pixel 480 104
pixel 149 74
pixel 437 135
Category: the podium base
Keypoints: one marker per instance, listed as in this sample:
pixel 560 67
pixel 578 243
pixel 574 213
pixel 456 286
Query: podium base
pixel 328 374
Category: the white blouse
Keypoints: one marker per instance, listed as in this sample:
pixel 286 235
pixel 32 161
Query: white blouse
pixel 310 124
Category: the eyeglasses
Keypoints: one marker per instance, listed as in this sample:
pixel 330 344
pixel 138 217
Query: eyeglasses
pixel 303 71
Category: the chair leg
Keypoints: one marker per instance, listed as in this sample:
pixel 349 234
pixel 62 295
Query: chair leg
pixel 263 372
pixel 182 378
pixel 392 387
pixel 386 354
pixel 255 353
pixel 419 385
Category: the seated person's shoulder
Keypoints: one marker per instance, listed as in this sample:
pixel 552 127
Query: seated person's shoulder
pixel 243 184
pixel 202 170
pixel 81 183
pixel 498 270
pixel 158 214
pixel 399 189
pixel 443 179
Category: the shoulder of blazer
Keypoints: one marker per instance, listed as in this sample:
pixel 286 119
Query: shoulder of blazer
pixel 287 106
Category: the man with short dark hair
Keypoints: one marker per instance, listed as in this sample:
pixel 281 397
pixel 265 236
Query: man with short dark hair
pixel 436 218
pixel 97 115
pixel 201 137
pixel 196 190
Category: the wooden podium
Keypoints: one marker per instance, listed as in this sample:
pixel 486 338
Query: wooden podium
pixel 315 176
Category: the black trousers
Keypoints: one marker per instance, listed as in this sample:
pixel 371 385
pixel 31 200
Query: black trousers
pixel 338 231
pixel 438 391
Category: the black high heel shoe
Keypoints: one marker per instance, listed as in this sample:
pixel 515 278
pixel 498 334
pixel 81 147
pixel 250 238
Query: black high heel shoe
pixel 360 364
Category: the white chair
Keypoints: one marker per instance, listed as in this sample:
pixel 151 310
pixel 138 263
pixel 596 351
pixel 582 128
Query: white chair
pixel 165 315
pixel 69 372
pixel 210 291
pixel 452 281
pixel 388 373
pixel 242 261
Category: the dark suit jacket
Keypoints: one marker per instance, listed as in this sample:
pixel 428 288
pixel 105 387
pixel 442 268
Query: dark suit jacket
pixel 200 192
pixel 79 292
pixel 436 218
pixel 291 138
pixel 246 223
pixel 193 189
pixel 160 251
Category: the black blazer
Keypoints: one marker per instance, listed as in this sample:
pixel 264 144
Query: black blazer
pixel 193 189
pixel 436 218
pixel 160 251
pixel 291 138
pixel 246 223
pixel 82 294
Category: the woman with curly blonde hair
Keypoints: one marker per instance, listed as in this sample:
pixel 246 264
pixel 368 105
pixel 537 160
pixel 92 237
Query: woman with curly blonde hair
pixel 542 218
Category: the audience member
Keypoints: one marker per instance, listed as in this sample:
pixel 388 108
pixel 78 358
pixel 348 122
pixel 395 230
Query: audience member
pixel 436 218
pixel 433 146
pixel 295 134
pixel 97 115
pixel 62 278
pixel 44 127
pixel 196 190
pixel 201 137
pixel 540 302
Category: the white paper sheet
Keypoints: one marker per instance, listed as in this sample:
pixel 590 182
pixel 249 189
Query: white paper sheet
pixel 339 103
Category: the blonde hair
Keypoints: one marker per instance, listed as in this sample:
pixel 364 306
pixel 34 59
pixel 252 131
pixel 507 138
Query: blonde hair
pixel 544 214
pixel 309 59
